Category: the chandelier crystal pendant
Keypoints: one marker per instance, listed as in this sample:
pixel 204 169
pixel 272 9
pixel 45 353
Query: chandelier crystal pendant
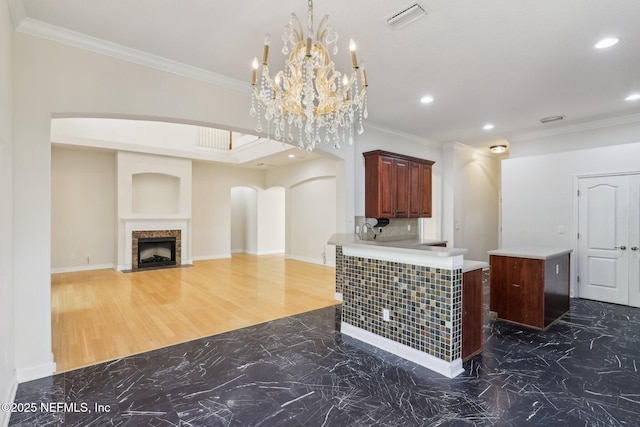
pixel 309 94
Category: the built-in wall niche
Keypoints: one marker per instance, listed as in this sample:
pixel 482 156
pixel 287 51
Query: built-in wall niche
pixel 155 193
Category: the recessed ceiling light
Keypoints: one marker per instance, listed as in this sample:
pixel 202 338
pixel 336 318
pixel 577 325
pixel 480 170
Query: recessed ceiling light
pixel 606 42
pixel 498 149
pixel 488 126
pixel 633 97
pixel 427 99
pixel 291 156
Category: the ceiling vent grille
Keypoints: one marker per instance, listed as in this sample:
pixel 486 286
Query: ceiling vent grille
pixel 551 119
pixel 407 15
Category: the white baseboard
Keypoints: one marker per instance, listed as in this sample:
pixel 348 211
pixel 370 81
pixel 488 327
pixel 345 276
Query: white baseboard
pixel 273 252
pixel 305 259
pixel 36 372
pixel 208 257
pixel 82 268
pixel 448 369
pixel 10 398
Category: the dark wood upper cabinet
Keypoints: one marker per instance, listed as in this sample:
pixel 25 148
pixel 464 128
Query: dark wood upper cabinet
pixel 397 186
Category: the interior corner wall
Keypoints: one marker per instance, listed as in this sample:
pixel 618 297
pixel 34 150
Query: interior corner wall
pixel 49 80
pixel 8 380
pixel 476 208
pixel 83 209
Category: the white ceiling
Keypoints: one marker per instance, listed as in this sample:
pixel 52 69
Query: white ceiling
pixel 501 61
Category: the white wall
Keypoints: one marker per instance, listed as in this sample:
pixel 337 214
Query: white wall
pixel 271 221
pixel 7 343
pixel 538 193
pixel 240 199
pixel 83 209
pixel 311 214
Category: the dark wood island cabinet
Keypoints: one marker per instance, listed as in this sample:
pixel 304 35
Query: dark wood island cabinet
pixel 529 286
pixel 472 337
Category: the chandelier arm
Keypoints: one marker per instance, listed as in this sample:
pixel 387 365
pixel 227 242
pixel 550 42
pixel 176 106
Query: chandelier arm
pixel 322 29
pixel 297 30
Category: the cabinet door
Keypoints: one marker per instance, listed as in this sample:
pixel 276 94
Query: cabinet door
pixel 425 191
pixel 401 174
pixel 512 295
pixel 517 289
pixel 414 190
pixel 531 279
pixel 471 313
pixel 419 190
pixel 386 188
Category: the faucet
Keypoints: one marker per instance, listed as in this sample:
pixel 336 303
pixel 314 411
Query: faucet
pixel 364 228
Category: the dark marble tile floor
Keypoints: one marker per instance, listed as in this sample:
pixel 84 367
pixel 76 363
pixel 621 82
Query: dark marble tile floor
pixel 300 371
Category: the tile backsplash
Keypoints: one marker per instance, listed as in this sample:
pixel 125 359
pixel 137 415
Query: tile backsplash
pixel 397 227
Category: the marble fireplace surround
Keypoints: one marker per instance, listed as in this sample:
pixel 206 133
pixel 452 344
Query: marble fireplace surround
pixel 145 234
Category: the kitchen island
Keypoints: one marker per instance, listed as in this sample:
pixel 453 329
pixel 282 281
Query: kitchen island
pixel 404 297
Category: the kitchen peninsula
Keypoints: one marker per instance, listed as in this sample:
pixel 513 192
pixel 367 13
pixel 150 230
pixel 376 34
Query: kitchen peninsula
pixel 404 297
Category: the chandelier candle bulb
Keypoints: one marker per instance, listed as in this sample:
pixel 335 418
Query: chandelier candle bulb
pixel 254 65
pixel 265 55
pixel 352 48
pixel 363 74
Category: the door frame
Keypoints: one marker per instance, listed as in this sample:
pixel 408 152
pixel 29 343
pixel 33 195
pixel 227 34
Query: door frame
pixel 574 286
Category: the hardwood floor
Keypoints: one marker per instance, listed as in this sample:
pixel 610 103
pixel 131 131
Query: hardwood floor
pixel 102 315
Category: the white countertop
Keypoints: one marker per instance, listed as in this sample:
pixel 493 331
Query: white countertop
pixel 408 246
pixel 534 252
pixel 470 265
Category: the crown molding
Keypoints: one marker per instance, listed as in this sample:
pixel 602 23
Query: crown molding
pixel 581 127
pixel 17 11
pixel 417 139
pixel 72 38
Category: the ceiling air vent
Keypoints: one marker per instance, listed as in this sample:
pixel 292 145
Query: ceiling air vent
pixel 407 15
pixel 551 119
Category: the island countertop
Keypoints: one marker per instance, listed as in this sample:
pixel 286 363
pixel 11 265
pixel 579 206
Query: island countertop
pixel 533 252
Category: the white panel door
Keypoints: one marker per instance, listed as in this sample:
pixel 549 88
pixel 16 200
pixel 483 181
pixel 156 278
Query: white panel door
pixel 609 239
pixel 603 263
pixel 634 240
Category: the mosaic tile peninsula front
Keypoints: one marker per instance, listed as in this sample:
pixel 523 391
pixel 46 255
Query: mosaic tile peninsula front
pixel 424 303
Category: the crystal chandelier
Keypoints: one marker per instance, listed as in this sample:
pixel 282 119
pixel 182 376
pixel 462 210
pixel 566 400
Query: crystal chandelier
pixel 310 95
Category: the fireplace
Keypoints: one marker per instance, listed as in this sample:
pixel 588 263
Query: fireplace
pixel 156 252
pixel 155 249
